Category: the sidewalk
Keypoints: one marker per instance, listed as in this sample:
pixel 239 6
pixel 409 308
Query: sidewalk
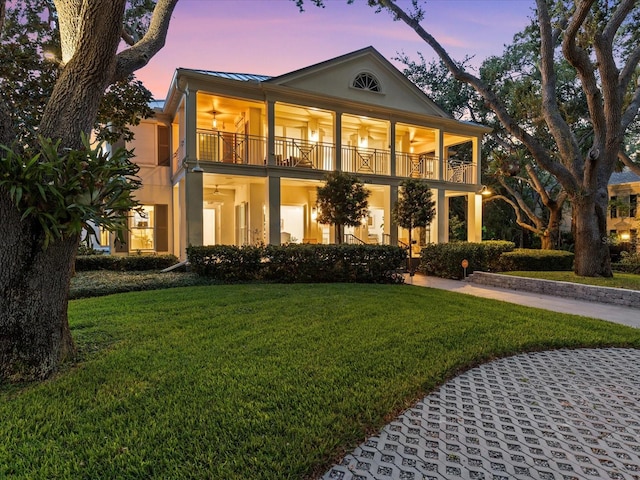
pixel 617 314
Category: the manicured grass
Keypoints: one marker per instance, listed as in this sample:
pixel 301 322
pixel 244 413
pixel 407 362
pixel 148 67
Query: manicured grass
pixel 619 280
pixel 256 381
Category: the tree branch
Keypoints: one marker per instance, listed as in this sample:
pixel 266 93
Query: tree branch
pixel 519 220
pixel 626 159
pixel 560 130
pixel 522 204
pixel 632 109
pixel 137 56
pixel 630 67
pixel 538 151
pixel 3 9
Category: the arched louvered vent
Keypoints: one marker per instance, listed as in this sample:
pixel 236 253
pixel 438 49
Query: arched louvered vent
pixel 366 81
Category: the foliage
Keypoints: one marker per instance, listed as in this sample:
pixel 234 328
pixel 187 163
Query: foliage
pixel 414 208
pixel 629 263
pixel 299 263
pixel 226 263
pixel 258 382
pixel 98 283
pixel 574 55
pixel 445 259
pixel 341 201
pixel 31 39
pixel 536 260
pixel 124 263
pixel 65 191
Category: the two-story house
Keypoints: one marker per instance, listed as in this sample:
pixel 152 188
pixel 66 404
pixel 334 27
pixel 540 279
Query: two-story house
pixel 236 159
pixel 623 222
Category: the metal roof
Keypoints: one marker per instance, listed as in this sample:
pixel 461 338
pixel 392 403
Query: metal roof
pixel 243 77
pixel 156 104
pixel 625 176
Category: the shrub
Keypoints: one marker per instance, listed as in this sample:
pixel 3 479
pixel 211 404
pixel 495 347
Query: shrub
pixel 299 263
pixel 629 263
pixel 226 263
pixel 526 259
pixel 445 259
pixel 125 264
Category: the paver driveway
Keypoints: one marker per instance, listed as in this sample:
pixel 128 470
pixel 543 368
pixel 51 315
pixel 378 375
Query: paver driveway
pixel 565 414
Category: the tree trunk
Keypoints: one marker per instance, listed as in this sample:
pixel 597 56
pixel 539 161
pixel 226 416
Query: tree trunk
pixel 338 232
pixel 591 247
pixel 34 284
pixel 551 237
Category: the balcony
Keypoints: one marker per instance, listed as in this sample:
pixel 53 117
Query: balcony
pixel 416 166
pixel 242 149
pixel 366 160
pixel 292 152
pixel 459 171
pixel 236 148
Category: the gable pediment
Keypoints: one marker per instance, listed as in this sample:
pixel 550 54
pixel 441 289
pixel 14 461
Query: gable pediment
pixel 335 78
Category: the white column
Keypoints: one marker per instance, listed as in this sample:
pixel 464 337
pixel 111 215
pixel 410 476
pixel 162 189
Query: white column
pixel 474 217
pixel 338 140
pixel 273 209
pixel 271 134
pixel 392 144
pixel 477 159
pixel 393 226
pixel 440 155
pixel 193 180
pixel 442 217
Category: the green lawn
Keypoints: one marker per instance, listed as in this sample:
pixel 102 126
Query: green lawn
pixel 256 381
pixel 619 280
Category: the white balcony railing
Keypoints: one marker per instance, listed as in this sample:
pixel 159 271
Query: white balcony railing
pixel 366 160
pixel 290 152
pixel 416 165
pixel 227 147
pixel 458 171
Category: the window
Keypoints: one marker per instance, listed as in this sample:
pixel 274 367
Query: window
pixel 104 237
pixel 633 205
pixel 613 206
pixel 142 229
pixel 366 81
pixel 164 156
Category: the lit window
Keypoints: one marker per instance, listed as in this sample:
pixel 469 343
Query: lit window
pixel 366 81
pixel 104 237
pixel 142 229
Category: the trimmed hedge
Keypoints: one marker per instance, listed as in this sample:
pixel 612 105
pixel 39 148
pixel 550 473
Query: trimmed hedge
pixel 295 263
pixel 445 259
pixel 528 259
pixel 133 263
pixel 629 263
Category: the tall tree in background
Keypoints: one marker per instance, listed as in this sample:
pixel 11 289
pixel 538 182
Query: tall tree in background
pixel 600 42
pixel 36 262
pixel 341 201
pixel 535 196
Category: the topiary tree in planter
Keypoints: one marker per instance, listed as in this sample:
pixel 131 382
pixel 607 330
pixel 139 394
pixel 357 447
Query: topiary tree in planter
pixel 414 208
pixel 341 201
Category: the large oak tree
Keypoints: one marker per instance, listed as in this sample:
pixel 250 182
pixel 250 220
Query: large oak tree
pixel 35 273
pixel 599 40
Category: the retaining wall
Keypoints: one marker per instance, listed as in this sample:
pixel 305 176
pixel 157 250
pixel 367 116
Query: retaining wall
pixel 617 296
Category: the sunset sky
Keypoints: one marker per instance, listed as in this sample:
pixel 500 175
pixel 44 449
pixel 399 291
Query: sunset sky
pixel 271 37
